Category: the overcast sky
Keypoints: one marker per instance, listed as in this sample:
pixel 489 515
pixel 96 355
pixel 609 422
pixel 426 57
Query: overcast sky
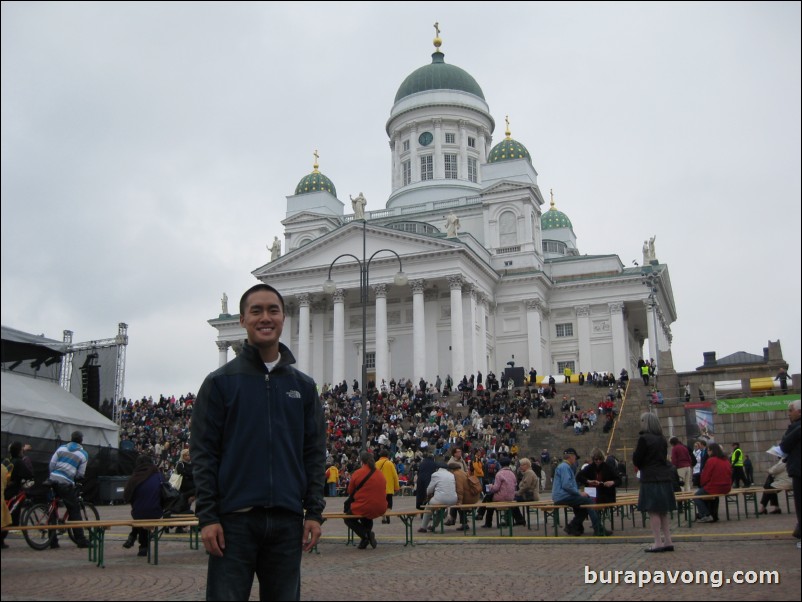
pixel 148 149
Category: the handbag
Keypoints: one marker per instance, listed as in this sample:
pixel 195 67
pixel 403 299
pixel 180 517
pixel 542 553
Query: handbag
pixel 176 479
pixel 169 495
pixel 350 499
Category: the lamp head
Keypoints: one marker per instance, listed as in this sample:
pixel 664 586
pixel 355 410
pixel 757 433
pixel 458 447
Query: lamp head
pixel 400 279
pixel 329 287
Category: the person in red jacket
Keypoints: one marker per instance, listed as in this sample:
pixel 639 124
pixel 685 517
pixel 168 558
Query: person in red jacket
pixel 370 500
pixel 716 478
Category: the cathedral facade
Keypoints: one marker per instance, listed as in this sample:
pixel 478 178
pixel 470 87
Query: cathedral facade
pixel 493 273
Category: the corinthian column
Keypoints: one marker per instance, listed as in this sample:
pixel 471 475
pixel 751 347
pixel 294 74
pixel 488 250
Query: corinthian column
pixel 222 347
pixel 382 347
pixel 418 331
pixel 338 355
pixel 303 332
pixel 457 341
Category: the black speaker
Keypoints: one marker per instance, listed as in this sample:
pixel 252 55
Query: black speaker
pixel 516 374
pixel 90 386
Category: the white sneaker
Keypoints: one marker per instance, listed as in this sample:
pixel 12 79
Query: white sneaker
pixel 706 519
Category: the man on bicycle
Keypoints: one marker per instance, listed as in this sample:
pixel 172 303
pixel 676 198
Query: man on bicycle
pixel 68 464
pixel 20 468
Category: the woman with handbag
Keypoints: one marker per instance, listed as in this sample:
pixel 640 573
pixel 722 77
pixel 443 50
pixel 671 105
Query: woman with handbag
pixel 185 485
pixel 366 499
pixel 143 491
pixel 778 480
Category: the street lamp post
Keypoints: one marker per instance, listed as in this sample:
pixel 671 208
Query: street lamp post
pixel 329 287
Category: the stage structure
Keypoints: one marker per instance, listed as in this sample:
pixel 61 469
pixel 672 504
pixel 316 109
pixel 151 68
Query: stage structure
pixel 101 374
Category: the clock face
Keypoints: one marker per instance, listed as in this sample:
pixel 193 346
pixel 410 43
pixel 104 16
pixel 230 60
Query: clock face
pixel 425 138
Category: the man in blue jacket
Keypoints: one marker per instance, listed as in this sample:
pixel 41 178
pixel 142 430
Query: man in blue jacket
pixel 258 449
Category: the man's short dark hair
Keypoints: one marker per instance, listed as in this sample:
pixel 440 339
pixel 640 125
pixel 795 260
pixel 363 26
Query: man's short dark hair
pixel 259 287
pixel 15 449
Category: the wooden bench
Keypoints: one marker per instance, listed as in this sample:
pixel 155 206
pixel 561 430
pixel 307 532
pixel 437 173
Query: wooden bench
pixel 156 528
pixel 407 517
pixel 96 530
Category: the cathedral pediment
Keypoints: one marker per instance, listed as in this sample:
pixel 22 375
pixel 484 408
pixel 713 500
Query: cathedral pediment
pixel 305 217
pixel 348 239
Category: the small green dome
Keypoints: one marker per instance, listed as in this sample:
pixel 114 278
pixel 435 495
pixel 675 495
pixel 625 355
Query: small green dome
pixel 507 150
pixel 438 76
pixel 315 182
pixel 553 219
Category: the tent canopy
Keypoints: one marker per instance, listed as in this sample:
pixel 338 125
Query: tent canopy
pixel 40 408
pixel 18 345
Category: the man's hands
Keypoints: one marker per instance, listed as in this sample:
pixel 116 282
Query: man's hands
pixel 213 539
pixel 312 532
pixel 215 542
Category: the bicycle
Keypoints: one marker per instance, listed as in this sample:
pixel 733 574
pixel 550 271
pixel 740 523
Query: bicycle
pixel 50 513
pixel 20 500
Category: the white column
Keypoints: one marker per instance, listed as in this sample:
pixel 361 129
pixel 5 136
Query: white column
pixel 439 163
pixel 457 344
pixel 419 366
pixel 414 157
pixel 286 332
pixel 619 337
pixel 463 159
pixel 583 335
pixel 534 335
pixel 338 351
pixel 222 352
pixel 434 365
pixel 303 332
pixel 317 347
pixel 395 164
pixel 482 344
pixel 650 323
pixel 473 343
pixel 382 347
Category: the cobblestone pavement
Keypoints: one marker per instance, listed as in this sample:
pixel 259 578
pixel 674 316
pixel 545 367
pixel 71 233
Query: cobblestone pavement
pixel 528 566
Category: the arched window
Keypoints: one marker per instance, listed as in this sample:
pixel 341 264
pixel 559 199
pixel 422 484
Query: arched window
pixel 507 229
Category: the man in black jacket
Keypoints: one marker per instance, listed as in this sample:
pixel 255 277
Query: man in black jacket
pixel 258 449
pixel 790 444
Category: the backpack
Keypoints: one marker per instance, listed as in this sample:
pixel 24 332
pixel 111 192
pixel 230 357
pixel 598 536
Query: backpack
pixel 474 488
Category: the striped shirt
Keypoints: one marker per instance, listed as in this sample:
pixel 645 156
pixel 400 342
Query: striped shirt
pixel 68 463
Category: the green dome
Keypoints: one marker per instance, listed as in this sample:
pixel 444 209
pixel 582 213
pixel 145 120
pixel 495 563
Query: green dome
pixel 438 76
pixel 554 219
pixel 507 150
pixel 315 182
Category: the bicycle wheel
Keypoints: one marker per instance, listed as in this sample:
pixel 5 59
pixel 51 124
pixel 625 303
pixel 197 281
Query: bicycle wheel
pixel 88 512
pixel 36 515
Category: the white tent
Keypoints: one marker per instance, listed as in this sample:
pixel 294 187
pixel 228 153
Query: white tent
pixel 34 407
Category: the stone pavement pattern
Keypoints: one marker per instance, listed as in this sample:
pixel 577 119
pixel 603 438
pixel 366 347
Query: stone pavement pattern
pixel 442 567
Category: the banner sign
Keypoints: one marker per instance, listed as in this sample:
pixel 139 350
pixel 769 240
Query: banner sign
pixel 754 404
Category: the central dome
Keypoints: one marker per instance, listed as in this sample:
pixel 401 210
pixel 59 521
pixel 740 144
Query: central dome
pixel 438 76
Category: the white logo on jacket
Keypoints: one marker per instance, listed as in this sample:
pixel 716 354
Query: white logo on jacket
pixel 294 394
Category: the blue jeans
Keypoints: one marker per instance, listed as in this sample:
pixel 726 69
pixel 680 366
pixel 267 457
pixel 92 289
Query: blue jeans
pixel 264 542
pixel 332 489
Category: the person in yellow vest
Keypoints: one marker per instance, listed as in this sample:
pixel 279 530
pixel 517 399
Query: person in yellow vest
pixel 567 373
pixel 737 461
pixel 332 479
pixel 644 372
pixel 387 468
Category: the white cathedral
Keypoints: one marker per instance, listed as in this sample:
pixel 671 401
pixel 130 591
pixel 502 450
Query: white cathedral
pixel 492 275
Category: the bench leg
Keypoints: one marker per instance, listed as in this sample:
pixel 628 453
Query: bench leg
pixel 409 524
